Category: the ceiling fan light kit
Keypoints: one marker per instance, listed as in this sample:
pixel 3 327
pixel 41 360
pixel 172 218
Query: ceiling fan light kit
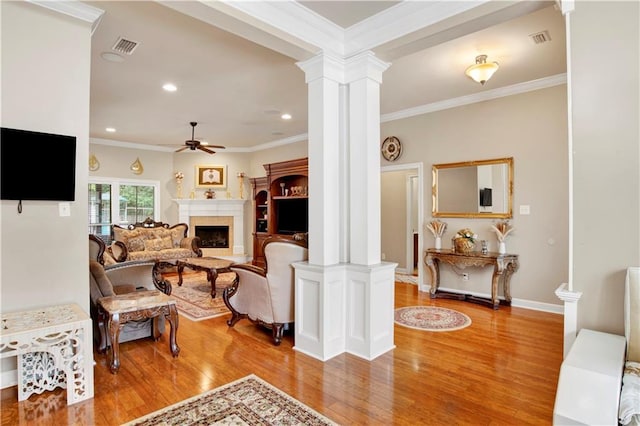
pixel 194 144
pixel 482 70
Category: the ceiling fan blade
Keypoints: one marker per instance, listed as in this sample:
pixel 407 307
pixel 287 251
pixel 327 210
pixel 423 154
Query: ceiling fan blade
pixel 181 149
pixel 205 149
pixel 216 146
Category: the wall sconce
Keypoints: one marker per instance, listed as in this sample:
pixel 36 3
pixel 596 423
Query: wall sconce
pixel 241 183
pixel 136 167
pixel 94 164
pixel 482 71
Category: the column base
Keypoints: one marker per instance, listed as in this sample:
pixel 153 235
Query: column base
pixel 344 308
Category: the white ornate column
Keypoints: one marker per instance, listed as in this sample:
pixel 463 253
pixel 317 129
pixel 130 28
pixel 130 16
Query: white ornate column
pixel 344 294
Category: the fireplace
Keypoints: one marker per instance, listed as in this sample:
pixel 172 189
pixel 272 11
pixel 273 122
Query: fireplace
pixel 213 236
pixel 216 216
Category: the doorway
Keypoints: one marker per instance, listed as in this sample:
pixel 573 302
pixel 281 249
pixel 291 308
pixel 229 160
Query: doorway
pixel 402 205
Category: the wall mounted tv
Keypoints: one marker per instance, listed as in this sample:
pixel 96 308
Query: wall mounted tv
pixel 37 166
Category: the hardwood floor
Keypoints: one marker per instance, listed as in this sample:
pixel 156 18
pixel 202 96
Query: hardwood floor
pixel 501 370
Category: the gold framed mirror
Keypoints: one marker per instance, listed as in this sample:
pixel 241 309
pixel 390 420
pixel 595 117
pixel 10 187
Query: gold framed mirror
pixel 474 189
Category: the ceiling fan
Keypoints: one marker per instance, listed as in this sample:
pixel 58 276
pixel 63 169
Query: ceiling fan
pixel 194 144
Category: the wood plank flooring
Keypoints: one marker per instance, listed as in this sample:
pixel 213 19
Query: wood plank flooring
pixel 501 370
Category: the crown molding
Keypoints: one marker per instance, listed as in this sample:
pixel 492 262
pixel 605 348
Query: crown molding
pixel 75 9
pixel 400 20
pixel 515 89
pixel 294 20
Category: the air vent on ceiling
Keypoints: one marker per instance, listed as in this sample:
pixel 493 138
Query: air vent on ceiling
pixel 541 37
pixel 125 46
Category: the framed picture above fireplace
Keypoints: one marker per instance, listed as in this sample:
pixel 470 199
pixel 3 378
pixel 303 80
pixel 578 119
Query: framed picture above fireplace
pixel 211 176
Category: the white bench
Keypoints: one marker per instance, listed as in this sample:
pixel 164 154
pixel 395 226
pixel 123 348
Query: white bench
pixel 590 380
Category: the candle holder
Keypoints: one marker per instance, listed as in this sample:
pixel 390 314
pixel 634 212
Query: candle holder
pixel 241 183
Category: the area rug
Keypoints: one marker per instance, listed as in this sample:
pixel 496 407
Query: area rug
pixel 431 318
pixel 193 297
pixel 247 401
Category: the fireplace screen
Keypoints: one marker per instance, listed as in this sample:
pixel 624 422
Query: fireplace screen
pixel 213 236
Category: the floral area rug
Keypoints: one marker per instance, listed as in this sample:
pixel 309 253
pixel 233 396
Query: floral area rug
pixel 193 297
pixel 247 401
pixel 431 318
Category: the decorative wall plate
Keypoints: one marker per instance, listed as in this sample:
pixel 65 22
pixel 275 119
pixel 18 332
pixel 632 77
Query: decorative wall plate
pixel 391 148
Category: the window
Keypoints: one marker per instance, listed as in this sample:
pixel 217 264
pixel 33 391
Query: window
pixel 121 202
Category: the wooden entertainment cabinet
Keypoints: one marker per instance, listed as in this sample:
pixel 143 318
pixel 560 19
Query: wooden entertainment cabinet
pixel 280 203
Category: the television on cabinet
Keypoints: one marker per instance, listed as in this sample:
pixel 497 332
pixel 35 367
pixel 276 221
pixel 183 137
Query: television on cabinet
pixel 292 216
pixel 37 166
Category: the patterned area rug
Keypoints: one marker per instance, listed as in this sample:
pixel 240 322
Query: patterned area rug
pixel 193 298
pixel 431 318
pixel 248 401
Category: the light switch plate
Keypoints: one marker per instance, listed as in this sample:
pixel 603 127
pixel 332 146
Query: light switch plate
pixel 64 209
pixel 525 209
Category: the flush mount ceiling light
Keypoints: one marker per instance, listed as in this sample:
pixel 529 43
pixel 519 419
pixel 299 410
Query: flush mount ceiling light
pixel 169 87
pixel 482 71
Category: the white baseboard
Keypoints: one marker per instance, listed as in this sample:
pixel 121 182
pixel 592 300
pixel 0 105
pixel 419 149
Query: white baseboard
pixel 8 379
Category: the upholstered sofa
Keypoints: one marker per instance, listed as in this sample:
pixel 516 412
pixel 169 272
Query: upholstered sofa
pixel 150 240
pixel 122 278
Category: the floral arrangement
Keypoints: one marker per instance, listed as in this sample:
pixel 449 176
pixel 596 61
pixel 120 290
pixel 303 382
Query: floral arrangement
pixel 179 176
pixel 502 229
pixel 467 234
pixel 437 228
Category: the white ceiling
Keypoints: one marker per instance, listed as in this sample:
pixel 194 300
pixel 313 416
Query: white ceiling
pixel 235 88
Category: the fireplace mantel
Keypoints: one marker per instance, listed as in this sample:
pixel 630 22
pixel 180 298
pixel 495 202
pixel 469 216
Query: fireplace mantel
pixel 188 208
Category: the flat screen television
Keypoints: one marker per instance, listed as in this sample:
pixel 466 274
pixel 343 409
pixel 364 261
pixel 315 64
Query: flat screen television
pixel 37 166
pixel 293 216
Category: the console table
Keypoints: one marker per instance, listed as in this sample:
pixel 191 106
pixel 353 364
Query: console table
pixel 54 349
pixel 504 265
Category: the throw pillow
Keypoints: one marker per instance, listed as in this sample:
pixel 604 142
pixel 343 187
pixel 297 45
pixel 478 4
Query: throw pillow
pixel 157 244
pixel 135 244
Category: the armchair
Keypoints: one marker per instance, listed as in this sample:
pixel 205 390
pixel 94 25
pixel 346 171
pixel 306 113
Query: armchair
pixel 266 296
pixel 124 278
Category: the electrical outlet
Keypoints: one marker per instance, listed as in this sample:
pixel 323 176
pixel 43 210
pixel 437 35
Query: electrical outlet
pixel 465 276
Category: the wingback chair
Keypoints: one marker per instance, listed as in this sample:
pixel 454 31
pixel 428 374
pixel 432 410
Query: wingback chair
pixel 124 278
pixel 266 296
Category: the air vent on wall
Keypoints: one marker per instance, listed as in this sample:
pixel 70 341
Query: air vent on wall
pixel 125 46
pixel 541 37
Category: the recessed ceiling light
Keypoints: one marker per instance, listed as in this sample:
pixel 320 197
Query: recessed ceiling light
pixel 272 112
pixel 286 116
pixel 110 129
pixel 169 87
pixel 277 133
pixel 111 57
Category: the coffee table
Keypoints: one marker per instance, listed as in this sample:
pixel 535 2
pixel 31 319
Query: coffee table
pixel 211 265
pixel 135 306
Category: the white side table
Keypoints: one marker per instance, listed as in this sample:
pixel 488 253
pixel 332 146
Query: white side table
pixel 54 349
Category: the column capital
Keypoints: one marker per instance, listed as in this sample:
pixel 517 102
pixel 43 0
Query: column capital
pixel 344 71
pixel 323 65
pixel 365 65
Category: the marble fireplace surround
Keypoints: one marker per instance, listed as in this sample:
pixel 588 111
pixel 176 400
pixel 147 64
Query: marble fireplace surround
pixel 216 213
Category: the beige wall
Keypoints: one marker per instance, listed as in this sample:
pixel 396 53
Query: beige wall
pixel 530 127
pixel 605 56
pixel 45 87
